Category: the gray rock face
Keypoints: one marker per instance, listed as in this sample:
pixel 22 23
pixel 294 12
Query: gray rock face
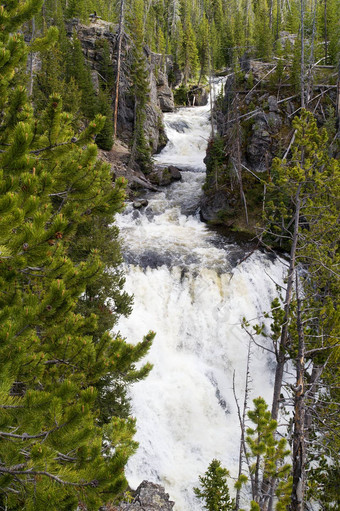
pixel 258 147
pixel 261 145
pixel 161 97
pixel 148 497
pixel 272 103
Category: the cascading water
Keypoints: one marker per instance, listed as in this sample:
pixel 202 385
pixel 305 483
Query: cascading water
pixel 189 290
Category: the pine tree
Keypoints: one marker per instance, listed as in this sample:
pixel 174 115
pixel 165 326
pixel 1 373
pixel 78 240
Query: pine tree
pixel 141 151
pixel 53 452
pixel 188 57
pixel 305 205
pixel 82 75
pixel 265 456
pixel 214 489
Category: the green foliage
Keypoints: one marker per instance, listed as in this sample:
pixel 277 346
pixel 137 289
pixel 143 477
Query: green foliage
pixel 141 151
pixel 266 456
pixel 217 174
pixel 82 76
pixel 181 95
pixel 104 139
pixel 57 450
pixel 214 489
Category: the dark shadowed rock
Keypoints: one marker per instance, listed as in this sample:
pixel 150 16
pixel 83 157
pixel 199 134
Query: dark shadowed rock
pixel 212 206
pixel 138 204
pixel 175 173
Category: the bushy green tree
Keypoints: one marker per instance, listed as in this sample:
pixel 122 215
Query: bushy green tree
pixel 53 452
pixel 214 489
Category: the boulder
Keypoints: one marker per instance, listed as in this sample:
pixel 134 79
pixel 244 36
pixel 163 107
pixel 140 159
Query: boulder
pixel 148 497
pixel 165 176
pixel 175 173
pixel 138 204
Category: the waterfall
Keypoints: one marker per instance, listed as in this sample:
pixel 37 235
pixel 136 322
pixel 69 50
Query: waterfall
pixel 188 288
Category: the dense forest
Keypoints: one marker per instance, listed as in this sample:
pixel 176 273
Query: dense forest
pixel 65 417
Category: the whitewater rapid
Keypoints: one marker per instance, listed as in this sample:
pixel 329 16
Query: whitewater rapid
pixel 189 289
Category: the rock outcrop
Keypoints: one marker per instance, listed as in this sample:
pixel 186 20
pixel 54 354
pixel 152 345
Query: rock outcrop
pixel 158 67
pixel 163 176
pixel 147 497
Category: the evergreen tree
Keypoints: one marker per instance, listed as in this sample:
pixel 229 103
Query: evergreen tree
pixel 188 57
pixel 214 489
pixel 53 452
pixel 82 75
pixel 265 457
pixel 141 151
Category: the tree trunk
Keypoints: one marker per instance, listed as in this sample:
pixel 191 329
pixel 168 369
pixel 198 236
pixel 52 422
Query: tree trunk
pixel 338 99
pixel 299 450
pixel 119 53
pixel 326 34
pixel 30 85
pixel 271 14
pixel 302 70
pixel 281 356
pixel 242 419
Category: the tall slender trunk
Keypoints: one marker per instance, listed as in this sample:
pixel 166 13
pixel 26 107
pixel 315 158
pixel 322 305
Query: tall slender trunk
pixel 311 57
pixel 326 34
pixel 338 99
pixel 281 355
pixel 30 84
pixel 119 54
pixel 242 419
pixel 302 69
pixel 299 449
pixel 271 14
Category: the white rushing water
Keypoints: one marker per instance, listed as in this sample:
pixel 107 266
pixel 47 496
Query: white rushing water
pixel 189 290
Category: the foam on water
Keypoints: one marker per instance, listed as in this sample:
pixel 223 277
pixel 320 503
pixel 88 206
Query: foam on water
pixel 187 289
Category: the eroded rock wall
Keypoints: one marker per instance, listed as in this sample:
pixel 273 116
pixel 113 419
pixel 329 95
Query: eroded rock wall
pixel 158 66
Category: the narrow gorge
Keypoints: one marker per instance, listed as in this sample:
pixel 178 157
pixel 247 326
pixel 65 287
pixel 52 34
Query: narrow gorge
pixel 190 288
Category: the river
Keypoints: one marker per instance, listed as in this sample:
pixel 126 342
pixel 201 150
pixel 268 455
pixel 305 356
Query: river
pixel 189 288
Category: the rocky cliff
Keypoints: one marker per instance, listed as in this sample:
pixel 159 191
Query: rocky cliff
pixel 158 67
pixel 254 121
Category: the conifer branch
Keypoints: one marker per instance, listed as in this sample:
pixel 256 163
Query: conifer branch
pixel 19 470
pixel 26 436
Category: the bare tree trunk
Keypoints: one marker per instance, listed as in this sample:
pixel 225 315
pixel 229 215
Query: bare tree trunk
pixel 311 58
pixel 211 100
pixel 326 35
pixel 119 54
pixel 30 85
pixel 338 99
pixel 242 420
pixel 271 14
pixel 299 450
pixel 302 70
pixel 281 355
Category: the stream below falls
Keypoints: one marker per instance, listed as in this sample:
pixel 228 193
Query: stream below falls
pixel 189 288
